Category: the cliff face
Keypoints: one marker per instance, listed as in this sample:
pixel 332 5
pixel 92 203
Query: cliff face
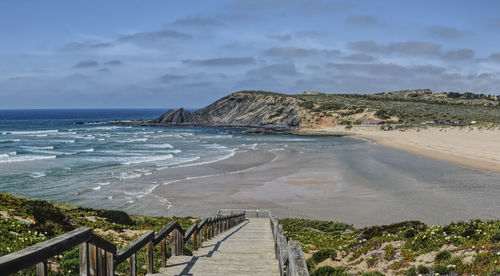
pixel 242 109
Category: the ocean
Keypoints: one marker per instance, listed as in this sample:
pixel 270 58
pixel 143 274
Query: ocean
pixel 46 154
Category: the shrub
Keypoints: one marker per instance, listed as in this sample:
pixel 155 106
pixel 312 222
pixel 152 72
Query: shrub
pixel 389 252
pixel 187 251
pixel 374 231
pixel 495 238
pixel 116 216
pixel 324 254
pixel 483 258
pixel 373 273
pixel 329 271
pixel 70 262
pixel 422 269
pixel 411 272
pixel 441 269
pixel 442 256
pixel 43 211
pixel 371 261
pixel 311 264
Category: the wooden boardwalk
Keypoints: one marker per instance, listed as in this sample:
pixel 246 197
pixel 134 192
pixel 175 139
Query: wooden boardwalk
pixel 247 249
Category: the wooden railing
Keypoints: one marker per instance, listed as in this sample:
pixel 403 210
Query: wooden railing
pixel 288 253
pixel 100 257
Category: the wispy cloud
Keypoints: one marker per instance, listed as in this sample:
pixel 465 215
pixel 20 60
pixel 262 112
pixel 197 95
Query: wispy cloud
pixel 445 33
pixel 86 64
pixel 223 61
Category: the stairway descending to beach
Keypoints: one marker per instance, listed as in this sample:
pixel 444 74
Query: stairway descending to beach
pixel 247 249
pixel 234 242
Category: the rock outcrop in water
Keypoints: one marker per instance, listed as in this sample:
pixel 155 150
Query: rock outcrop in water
pixel 249 109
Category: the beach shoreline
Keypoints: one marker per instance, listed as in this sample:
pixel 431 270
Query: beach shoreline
pixel 467 146
pixel 319 185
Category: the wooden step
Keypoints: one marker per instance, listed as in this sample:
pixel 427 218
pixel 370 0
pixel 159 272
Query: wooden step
pixel 247 249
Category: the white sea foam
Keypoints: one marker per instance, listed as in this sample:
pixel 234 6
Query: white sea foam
pixel 127 175
pixel 9 140
pixel 215 136
pixel 104 183
pixel 159 146
pixel 146 159
pixel 38 148
pixel 34 132
pixel 87 150
pixel 175 151
pixel 24 158
pixel 107 127
pixel 231 154
pixel 132 140
pixel 97 188
pixel 38 174
pixel 63 141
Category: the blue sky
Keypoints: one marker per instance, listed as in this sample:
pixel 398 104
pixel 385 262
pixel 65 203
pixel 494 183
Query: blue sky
pixel 92 54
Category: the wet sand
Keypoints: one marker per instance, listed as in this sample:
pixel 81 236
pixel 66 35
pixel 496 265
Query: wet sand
pixel 320 185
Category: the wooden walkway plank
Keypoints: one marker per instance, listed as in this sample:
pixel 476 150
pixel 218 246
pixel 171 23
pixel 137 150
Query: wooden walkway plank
pixel 247 249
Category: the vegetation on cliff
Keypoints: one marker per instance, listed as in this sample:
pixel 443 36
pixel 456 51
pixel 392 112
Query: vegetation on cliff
pixel 24 222
pixel 319 110
pixel 405 248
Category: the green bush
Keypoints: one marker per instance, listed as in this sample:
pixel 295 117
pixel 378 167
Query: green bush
pixel 324 254
pixel 311 264
pixel 187 251
pixel 116 216
pixel 43 211
pixel 422 269
pixel 412 271
pixel 441 269
pixel 374 231
pixel 329 271
pixel 495 238
pixel 442 256
pixel 373 273
pixel 71 261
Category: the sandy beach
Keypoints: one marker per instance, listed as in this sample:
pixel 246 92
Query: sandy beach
pixel 472 147
pixel 342 184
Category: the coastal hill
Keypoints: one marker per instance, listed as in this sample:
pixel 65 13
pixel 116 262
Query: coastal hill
pixel 320 110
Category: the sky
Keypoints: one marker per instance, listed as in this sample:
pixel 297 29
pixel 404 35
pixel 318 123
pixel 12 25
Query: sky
pixel 156 54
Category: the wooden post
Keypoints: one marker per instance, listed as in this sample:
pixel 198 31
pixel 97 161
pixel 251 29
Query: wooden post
pixel 194 242
pixel 93 260
pixel 178 243
pixel 150 257
pixel 41 269
pixel 101 261
pixel 84 259
pixel 133 265
pixel 163 253
pixel 110 264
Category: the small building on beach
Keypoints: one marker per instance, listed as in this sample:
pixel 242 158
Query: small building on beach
pixel 372 122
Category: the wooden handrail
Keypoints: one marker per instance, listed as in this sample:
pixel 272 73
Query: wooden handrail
pixel 289 253
pixel 133 247
pixel 165 231
pixel 40 252
pixel 100 257
pixel 102 243
pixel 190 231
